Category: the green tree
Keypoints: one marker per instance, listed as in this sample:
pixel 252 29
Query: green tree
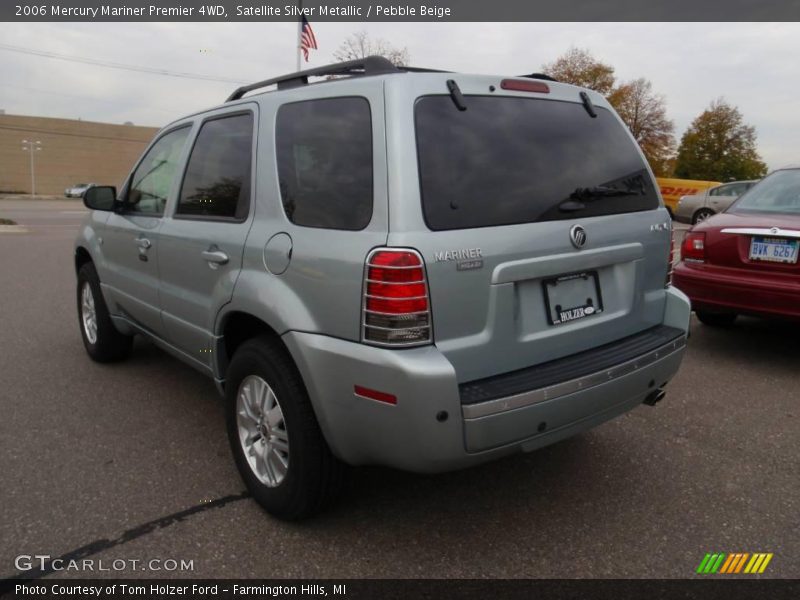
pixel 645 114
pixel 578 67
pixel 719 146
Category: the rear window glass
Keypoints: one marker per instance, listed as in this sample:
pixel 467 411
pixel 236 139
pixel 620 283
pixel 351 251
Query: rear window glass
pixel 324 153
pixel 517 160
pixel 777 193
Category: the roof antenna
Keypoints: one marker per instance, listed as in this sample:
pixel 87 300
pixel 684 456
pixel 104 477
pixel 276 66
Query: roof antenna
pixel 455 94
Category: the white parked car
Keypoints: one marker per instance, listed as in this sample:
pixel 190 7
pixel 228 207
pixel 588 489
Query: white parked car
pixel 696 208
pixel 78 190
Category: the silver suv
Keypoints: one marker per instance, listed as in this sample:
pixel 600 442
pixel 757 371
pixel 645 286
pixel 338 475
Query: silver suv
pixel 396 267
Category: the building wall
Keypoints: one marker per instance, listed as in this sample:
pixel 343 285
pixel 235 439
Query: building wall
pixel 72 152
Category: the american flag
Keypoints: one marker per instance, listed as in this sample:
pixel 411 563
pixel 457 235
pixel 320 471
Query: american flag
pixel 307 38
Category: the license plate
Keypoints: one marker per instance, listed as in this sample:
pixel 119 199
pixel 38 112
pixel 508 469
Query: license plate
pixel 771 249
pixel 572 297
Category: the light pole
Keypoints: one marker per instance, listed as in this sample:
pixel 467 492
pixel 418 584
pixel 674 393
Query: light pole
pixel 32 146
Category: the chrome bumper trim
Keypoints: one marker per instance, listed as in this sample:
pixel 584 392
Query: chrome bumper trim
pixel 500 405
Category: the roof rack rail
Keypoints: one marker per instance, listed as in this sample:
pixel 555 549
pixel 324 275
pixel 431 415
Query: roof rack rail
pixel 371 65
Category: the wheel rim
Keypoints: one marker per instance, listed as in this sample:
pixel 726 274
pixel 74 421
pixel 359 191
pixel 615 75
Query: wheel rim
pixel 702 216
pixel 88 314
pixel 262 431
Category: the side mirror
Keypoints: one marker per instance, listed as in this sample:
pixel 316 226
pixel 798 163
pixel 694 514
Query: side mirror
pixel 100 197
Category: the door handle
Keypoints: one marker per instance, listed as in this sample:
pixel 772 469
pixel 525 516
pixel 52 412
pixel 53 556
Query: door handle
pixel 143 243
pixel 214 257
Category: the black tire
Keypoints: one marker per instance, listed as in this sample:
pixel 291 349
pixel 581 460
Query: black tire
pixel 109 345
pixel 713 319
pixel 702 215
pixel 314 477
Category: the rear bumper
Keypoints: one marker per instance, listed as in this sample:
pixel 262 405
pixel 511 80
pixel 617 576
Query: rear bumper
pixel 717 289
pixel 412 435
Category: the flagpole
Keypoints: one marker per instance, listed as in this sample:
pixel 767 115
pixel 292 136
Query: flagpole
pixel 299 31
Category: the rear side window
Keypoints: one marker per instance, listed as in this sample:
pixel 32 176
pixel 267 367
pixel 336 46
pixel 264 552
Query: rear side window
pixel 324 154
pixel 217 180
pixel 518 160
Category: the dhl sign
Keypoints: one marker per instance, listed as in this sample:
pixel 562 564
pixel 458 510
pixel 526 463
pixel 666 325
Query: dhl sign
pixel 673 189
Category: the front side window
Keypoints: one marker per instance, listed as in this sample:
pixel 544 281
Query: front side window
pixel 217 180
pixel 152 180
pixel 324 154
pixel 509 160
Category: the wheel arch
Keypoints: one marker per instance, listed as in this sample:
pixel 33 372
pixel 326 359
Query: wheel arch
pixel 82 257
pixel 234 328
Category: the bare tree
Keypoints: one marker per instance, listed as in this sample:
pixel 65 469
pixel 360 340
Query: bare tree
pixel 360 45
pixel 645 114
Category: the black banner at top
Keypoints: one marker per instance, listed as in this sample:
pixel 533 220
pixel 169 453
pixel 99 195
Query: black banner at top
pixel 399 10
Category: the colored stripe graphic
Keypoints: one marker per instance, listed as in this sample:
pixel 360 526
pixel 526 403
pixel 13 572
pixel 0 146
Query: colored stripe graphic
pixel 734 563
pixel 703 563
pixel 764 564
pixel 727 565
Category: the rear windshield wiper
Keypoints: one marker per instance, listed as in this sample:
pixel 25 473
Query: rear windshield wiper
pixel 577 198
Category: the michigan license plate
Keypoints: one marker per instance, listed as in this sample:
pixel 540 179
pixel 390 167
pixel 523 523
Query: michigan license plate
pixel 572 297
pixel 770 249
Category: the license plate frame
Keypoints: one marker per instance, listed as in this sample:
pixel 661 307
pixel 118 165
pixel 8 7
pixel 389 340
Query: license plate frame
pixel 770 243
pixel 566 305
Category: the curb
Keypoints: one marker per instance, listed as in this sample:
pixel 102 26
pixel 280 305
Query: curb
pixel 13 229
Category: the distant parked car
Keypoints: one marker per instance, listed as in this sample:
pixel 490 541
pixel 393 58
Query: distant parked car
pixel 672 189
pixel 699 207
pixel 78 190
pixel 744 261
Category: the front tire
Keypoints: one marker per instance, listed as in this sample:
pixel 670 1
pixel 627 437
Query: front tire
pixel 276 441
pixel 716 319
pixel 101 339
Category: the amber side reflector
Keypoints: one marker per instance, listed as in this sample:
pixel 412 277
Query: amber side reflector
pixel 375 395
pixel 517 85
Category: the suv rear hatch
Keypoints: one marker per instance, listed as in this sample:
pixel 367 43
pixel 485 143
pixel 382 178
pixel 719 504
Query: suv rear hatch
pixel 539 222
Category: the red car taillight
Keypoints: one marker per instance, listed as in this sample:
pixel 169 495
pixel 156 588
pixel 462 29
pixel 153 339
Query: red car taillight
pixel 396 300
pixel 694 247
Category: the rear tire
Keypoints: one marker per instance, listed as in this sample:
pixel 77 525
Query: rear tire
pixel 275 438
pixel 101 339
pixel 716 319
pixel 702 215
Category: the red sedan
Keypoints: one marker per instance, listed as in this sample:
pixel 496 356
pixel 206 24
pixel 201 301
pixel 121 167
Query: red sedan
pixel 744 261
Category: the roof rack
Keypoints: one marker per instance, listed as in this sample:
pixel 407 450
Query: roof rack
pixel 371 65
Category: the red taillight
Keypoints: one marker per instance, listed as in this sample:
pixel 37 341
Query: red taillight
pixel 396 305
pixel 517 85
pixel 694 247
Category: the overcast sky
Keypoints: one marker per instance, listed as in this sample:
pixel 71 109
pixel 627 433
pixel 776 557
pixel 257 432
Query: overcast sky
pixel 752 65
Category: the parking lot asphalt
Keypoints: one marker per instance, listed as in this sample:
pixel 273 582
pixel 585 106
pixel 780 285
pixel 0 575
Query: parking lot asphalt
pixel 130 461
